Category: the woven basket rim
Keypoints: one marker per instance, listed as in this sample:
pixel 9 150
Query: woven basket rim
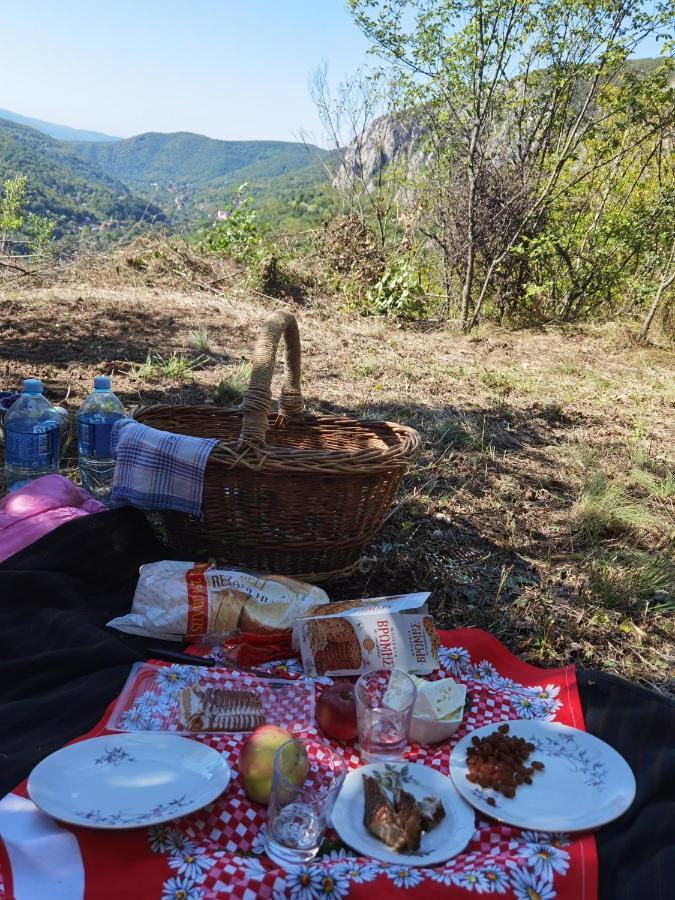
pixel 291 459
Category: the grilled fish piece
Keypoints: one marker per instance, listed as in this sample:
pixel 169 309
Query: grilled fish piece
pixel 396 825
pixel 410 821
pixel 432 812
pixel 379 816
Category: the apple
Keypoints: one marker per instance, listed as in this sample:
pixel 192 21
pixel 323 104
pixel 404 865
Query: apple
pixel 336 711
pixel 256 762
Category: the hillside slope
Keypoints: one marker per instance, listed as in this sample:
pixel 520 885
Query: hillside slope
pixel 64 186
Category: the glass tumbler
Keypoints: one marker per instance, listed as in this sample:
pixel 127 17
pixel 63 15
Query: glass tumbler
pixel 384 705
pixel 307 778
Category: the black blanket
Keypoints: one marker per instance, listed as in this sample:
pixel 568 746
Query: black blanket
pixel 60 667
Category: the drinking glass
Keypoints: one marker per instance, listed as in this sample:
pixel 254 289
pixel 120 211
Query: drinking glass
pixel 384 718
pixel 307 778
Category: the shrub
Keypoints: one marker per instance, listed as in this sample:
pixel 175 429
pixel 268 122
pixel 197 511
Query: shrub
pixel 239 235
pixel 397 293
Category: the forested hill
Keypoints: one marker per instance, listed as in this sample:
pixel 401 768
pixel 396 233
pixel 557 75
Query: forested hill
pixel 195 159
pixel 192 176
pixel 65 187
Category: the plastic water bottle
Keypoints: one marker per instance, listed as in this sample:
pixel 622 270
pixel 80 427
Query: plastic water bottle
pixel 32 436
pixel 95 421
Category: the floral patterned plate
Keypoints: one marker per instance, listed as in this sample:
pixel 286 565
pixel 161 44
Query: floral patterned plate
pixel 444 841
pixel 585 783
pixel 128 780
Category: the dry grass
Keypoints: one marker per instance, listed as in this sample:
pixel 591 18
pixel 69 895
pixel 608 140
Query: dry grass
pixel 541 506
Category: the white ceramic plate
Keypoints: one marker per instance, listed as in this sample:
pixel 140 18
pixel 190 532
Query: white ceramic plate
pixel 447 839
pixel 585 783
pixel 128 780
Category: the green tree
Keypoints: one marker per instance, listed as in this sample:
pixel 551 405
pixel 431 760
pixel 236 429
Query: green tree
pixel 30 231
pixel 507 92
pixel 611 223
pixel 11 199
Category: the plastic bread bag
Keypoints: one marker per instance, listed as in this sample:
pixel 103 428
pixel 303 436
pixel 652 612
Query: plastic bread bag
pixel 178 601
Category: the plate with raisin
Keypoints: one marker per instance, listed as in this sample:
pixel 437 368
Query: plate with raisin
pixel 542 776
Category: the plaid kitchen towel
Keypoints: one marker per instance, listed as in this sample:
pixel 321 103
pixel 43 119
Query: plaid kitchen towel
pixel 158 470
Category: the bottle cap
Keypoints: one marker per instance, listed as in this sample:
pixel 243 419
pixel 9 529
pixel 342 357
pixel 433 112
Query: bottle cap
pixel 102 383
pixel 32 386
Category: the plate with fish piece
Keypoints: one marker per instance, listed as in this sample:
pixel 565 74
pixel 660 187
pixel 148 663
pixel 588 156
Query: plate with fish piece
pixel 578 782
pixel 128 780
pixel 392 796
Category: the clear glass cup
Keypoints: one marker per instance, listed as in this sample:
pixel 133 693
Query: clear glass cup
pixel 307 778
pixel 384 705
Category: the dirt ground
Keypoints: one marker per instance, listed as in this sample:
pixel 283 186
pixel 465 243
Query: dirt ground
pixel 515 424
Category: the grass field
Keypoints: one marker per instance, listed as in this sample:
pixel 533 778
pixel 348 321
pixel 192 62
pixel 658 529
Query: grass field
pixel 542 507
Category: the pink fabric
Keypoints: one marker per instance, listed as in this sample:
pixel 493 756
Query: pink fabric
pixel 39 507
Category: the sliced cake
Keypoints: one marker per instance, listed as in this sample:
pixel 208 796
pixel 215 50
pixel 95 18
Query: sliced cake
pixel 217 709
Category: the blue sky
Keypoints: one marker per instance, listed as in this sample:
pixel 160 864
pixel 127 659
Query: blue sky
pixel 233 69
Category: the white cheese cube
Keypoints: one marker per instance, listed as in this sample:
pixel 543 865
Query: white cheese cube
pixel 397 695
pixel 440 700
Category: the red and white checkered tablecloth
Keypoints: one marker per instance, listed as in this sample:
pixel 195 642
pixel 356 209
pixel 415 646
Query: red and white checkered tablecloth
pixel 219 850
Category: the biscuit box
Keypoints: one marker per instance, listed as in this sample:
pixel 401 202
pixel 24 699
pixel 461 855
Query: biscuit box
pixel 378 633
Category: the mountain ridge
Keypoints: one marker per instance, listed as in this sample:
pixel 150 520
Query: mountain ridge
pixel 55 130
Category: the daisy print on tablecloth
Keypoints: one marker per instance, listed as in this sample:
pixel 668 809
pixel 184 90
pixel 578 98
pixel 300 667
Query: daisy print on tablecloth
pixel 548 709
pixel 253 869
pixel 334 885
pixel 153 703
pixel 471 881
pixel 167 839
pixel 336 856
pixel 441 875
pixel 501 683
pixel 258 842
pixel 528 885
pixel 181 888
pixel 191 862
pixel 403 876
pixel 358 872
pixel 175 677
pixel 544 854
pixel 548 705
pixel 283 667
pixel 484 672
pixel 526 707
pixel 455 660
pixel 496 879
pixel 302 883
pixel 138 719
pixel 550 692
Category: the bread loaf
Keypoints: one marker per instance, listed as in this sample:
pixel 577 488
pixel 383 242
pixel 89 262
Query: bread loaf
pixel 196 601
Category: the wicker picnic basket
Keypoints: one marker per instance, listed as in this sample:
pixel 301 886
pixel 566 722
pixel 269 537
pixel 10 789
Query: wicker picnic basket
pixel 287 493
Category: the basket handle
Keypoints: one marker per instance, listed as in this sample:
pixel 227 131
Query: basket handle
pixel 258 398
